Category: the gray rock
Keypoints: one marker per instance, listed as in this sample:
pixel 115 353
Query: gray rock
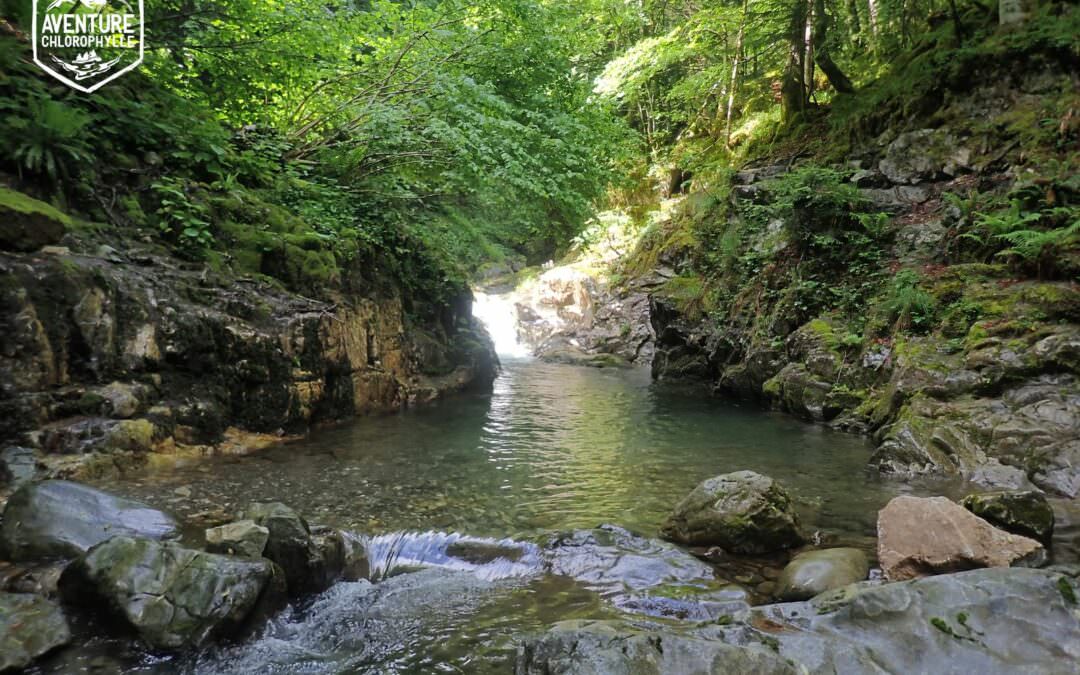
pixel 242 537
pixel 741 512
pixel 57 519
pixel 983 621
pixel 30 626
pixel 1026 512
pixel 641 576
pixel 173 597
pixel 17 466
pixel 311 563
pixel 814 572
pixel 919 155
pixel 614 648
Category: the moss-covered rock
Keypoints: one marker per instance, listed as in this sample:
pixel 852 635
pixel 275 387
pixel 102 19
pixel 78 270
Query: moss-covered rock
pixel 172 597
pixel 27 224
pixel 741 512
pixel 1024 512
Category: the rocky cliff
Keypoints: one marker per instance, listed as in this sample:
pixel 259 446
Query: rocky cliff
pixel 116 354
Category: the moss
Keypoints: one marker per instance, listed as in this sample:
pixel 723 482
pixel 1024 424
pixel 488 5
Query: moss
pixel 1066 590
pixel 20 203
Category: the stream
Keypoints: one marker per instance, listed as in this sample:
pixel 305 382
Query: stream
pixel 551 448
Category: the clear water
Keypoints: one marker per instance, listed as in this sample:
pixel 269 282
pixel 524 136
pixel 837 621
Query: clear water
pixel 553 447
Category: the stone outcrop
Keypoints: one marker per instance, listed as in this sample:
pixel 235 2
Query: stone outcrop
pixel 30 626
pixel 171 596
pixel 922 536
pixel 980 621
pixel 612 648
pixel 741 512
pixel 109 356
pixel 814 572
pixel 61 519
pixel 1026 512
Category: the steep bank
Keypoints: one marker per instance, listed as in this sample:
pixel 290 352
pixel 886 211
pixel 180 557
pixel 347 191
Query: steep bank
pixel 901 265
pixel 118 354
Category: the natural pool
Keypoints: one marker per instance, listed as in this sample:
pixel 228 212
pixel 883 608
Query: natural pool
pixel 552 448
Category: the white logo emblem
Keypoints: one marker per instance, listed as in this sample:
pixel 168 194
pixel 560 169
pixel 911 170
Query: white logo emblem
pixel 87 43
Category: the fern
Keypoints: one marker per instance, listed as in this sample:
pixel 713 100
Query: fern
pixel 49 141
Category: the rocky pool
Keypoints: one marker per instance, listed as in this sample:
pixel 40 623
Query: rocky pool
pixel 553 448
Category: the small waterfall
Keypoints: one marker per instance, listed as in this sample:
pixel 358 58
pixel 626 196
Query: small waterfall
pixel 499 316
pixel 487 558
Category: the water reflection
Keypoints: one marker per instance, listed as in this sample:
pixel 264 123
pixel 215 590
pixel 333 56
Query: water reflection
pixel 552 447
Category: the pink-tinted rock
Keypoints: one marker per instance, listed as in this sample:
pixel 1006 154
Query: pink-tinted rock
pixel 923 536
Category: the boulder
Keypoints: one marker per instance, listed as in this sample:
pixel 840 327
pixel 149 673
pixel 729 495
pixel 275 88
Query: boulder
pixel 173 597
pixel 641 576
pixel 242 537
pixel 311 563
pixel 57 519
pixel 617 648
pixel 1024 512
pixel 921 536
pixel 813 572
pixel 30 626
pixel 741 512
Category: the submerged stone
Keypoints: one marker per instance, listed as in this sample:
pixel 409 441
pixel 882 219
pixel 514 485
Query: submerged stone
pixel 742 512
pixel 58 519
pixel 30 626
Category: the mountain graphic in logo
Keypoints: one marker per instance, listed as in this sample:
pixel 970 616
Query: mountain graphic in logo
pixel 87 64
pixel 93 5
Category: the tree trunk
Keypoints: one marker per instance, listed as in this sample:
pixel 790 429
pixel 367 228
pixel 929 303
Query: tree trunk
pixel 792 91
pixel 735 73
pixel 837 78
pixel 808 57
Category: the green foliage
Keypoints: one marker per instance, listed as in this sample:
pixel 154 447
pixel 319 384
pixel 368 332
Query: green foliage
pixel 50 139
pixel 906 304
pixel 182 215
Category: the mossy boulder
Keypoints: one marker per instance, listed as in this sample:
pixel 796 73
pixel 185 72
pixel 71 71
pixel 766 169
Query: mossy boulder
pixel 742 512
pixel 1023 512
pixel 27 224
pixel 172 596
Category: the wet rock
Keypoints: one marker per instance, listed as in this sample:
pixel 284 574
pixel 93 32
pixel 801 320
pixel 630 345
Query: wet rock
pixel 981 621
pixel 742 512
pixel 17 466
pixel 173 597
pixel 813 572
pixel 242 537
pixel 642 576
pixel 1026 512
pixel 615 648
pixel 311 563
pixel 922 155
pixel 30 626
pixel 922 536
pixel 611 558
pixel 56 519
